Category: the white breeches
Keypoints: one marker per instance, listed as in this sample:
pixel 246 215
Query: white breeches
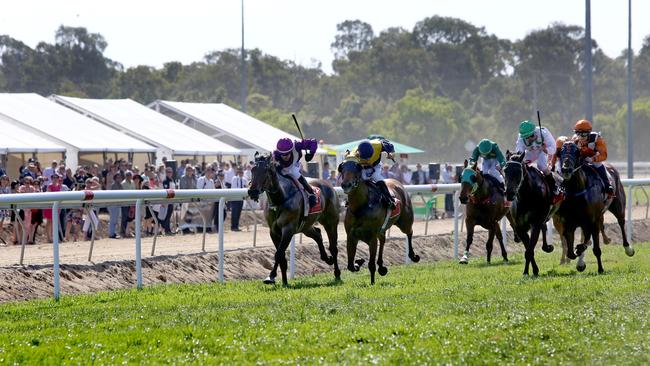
pixel 489 166
pixel 540 157
pixel 372 173
pixel 292 170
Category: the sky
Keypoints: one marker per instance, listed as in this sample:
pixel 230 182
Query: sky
pixel 145 32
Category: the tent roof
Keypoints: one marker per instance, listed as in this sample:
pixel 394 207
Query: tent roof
pixel 65 126
pixel 399 148
pixel 238 125
pixel 147 125
pixel 20 140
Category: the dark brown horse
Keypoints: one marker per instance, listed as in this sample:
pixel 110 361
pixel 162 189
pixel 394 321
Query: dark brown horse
pixel 586 202
pixel 365 217
pixel 284 214
pixel 531 205
pixel 484 206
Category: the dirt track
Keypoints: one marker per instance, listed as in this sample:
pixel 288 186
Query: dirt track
pixel 179 259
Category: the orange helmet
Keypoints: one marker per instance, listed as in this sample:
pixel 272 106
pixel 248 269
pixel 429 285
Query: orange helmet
pixel 582 126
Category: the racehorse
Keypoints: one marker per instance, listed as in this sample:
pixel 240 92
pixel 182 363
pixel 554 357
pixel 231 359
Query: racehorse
pixel 485 207
pixel 284 213
pixel 531 205
pixel 367 218
pixel 586 202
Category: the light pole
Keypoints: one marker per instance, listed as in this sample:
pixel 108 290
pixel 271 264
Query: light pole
pixel 630 150
pixel 243 84
pixel 588 67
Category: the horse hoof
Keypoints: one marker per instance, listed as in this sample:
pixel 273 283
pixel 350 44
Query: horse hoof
pixel 548 248
pixel 581 267
pixel 517 240
pixel 337 274
pixel 329 260
pixel 505 259
pixel 629 251
pixel 360 262
pixel 463 260
pixel 415 258
pixel 382 270
pixel 269 281
pixel 607 240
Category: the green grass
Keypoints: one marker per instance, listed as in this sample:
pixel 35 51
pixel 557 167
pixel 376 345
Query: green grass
pixel 418 314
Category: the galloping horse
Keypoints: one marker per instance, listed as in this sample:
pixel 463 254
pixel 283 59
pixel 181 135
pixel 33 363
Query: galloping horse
pixel 285 213
pixel 485 207
pixel 531 205
pixel 367 219
pixel 586 202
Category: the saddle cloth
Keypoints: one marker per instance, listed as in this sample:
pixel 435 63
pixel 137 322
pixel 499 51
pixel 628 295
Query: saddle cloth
pixel 398 206
pixel 318 207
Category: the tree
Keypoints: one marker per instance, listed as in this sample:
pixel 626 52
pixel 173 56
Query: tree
pixel 352 36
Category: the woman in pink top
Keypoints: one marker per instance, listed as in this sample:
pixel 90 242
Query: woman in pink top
pixel 55 186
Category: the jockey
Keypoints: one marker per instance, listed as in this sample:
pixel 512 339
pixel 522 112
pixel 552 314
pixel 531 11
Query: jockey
pixel 492 156
pixel 593 150
pixel 558 149
pixel 288 154
pixel 369 153
pixel 538 144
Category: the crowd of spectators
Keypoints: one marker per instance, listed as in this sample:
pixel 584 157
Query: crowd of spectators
pixel 79 223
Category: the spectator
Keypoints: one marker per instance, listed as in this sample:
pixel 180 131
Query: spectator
pixel 448 178
pixel 47 174
pixel 149 224
pixel 188 179
pixel 55 186
pixel 69 179
pixel 420 176
pixel 127 184
pixel 219 183
pixel 5 188
pixel 91 222
pixel 168 183
pixel 236 206
pixel 385 172
pixel 228 174
pixel 405 174
pixel 326 170
pixel 248 173
pixel 333 178
pixel 30 171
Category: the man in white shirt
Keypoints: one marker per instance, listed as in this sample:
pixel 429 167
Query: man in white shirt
pixel 237 182
pixel 47 174
pixel 228 173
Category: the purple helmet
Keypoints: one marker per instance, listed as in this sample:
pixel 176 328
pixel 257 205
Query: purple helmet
pixel 285 145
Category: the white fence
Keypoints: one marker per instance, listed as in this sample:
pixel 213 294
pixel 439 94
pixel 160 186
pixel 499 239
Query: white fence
pixel 76 199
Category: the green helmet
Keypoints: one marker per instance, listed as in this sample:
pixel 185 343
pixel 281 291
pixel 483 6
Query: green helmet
pixel 526 129
pixel 485 146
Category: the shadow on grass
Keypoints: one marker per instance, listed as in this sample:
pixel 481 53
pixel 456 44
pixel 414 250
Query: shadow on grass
pixel 299 285
pixel 498 263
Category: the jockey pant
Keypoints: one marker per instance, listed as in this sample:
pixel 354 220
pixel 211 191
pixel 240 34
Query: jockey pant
pixel 540 157
pixel 292 170
pixel 372 173
pixel 489 166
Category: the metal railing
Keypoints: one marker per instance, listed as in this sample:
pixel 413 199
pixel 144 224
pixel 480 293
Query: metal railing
pixel 78 199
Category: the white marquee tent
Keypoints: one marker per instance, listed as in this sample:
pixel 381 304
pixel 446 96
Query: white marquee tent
pixel 224 122
pixel 20 140
pixel 78 134
pixel 167 135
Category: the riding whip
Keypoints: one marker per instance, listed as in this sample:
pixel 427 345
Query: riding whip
pixel 539 121
pixel 297 125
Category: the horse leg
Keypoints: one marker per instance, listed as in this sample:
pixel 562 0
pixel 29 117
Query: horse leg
pixel 280 254
pixel 523 236
pixel 601 225
pixel 547 248
pixel 568 236
pixel 412 256
pixel 334 249
pixel 353 266
pixel 314 233
pixel 512 225
pixel 488 244
pixel 380 257
pixel 470 238
pixel 597 252
pixel 372 246
pixel 499 235
pixel 530 249
pixel 270 280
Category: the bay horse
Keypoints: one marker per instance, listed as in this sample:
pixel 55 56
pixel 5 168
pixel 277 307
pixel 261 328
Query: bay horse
pixel 531 205
pixel 284 213
pixel 586 202
pixel 484 206
pixel 367 218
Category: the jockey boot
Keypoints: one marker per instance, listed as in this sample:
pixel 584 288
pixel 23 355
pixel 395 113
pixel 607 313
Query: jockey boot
pixel 602 172
pixel 502 187
pixel 383 188
pixel 558 195
pixel 310 191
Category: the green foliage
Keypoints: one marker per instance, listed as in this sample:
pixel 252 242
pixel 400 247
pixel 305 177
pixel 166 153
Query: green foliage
pixel 437 86
pixel 418 314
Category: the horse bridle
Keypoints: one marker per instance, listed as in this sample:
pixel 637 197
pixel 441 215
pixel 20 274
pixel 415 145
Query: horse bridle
pixel 354 183
pixel 521 167
pixel 267 172
pixel 565 154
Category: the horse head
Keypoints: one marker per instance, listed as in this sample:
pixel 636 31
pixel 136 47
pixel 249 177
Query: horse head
pixel 350 173
pixel 469 182
pixel 514 174
pixel 569 159
pixel 263 167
